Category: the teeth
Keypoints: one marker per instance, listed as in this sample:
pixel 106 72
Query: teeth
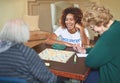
pixel 69 24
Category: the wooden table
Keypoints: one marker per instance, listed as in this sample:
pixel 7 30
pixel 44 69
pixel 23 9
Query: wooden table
pixel 70 70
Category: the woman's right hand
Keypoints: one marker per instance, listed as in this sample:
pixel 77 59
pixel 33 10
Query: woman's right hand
pixel 68 44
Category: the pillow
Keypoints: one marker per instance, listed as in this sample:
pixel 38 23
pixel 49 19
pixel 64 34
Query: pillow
pixel 38 35
pixel 32 22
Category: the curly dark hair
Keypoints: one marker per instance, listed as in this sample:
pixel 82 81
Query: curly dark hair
pixel 77 13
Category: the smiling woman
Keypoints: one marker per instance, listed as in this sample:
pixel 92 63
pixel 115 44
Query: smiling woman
pixel 71 30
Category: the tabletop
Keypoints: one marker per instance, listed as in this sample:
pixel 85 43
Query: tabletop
pixel 69 69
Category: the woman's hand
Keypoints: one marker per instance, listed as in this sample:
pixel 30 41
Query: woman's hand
pixel 79 27
pixel 79 49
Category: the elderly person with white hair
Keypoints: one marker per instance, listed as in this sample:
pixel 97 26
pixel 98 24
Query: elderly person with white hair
pixel 18 60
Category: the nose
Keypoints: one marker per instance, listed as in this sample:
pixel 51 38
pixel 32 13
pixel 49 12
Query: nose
pixel 94 29
pixel 68 21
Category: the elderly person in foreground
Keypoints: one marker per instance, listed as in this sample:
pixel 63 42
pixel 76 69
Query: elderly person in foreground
pixel 18 60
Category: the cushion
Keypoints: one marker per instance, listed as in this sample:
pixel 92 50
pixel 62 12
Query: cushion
pixel 32 22
pixel 38 35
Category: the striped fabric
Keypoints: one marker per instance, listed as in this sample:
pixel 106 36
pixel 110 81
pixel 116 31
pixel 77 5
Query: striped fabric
pixel 23 62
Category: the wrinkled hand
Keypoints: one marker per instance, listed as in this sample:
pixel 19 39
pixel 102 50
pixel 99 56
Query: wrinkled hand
pixel 79 49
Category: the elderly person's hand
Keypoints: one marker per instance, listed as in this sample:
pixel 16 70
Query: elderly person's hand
pixel 79 49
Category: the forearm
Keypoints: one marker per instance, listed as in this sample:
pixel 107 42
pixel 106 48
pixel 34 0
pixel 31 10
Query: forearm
pixel 84 38
pixel 53 41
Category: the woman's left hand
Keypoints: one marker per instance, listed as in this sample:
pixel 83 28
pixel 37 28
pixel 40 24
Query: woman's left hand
pixel 79 27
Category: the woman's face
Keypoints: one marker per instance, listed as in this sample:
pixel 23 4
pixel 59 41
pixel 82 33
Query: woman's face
pixel 69 21
pixel 99 29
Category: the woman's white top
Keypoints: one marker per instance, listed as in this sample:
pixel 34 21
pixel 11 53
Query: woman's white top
pixel 74 38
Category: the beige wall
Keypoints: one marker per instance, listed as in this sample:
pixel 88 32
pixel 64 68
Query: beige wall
pixel 17 8
pixel 10 9
pixel 113 5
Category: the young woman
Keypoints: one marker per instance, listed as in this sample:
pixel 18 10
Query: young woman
pixel 71 30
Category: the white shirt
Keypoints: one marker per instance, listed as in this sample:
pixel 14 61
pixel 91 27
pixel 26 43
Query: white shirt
pixel 68 37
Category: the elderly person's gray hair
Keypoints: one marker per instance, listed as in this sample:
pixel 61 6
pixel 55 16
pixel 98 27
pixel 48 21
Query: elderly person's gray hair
pixel 15 31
